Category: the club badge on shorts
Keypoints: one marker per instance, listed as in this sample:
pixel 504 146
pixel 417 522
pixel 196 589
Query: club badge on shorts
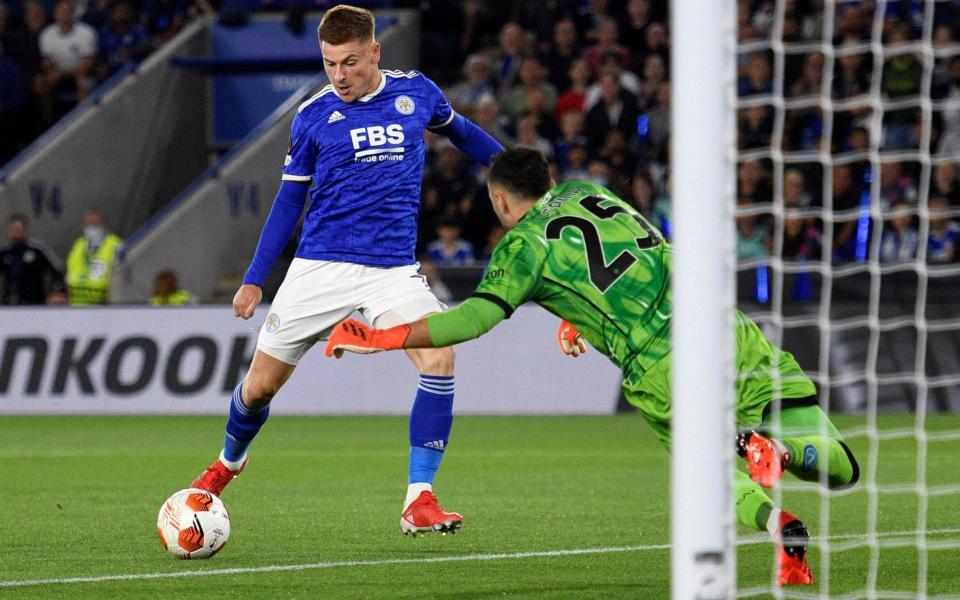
pixel 273 323
pixel 404 105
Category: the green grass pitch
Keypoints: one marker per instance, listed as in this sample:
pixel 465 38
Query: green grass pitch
pixel 79 498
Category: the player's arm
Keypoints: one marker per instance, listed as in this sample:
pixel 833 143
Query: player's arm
pixel 513 276
pixel 464 134
pixel 470 139
pixel 280 224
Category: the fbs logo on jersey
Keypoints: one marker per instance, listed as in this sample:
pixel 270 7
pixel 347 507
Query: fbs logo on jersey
pixel 371 143
pixel 336 116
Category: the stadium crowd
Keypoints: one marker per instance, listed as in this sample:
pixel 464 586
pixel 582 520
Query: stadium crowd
pixel 587 83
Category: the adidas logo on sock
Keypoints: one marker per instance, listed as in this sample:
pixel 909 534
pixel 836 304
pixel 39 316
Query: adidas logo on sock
pixel 336 116
pixel 436 445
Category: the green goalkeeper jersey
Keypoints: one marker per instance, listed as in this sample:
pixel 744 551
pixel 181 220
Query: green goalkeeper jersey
pixel 589 258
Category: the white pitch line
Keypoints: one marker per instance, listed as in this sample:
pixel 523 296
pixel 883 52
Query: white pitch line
pixel 408 561
pixel 334 565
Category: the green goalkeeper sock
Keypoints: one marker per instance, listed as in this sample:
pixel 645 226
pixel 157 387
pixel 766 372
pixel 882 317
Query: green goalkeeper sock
pixel 809 454
pixel 752 504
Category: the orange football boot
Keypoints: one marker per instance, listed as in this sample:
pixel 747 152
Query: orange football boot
pixel 791 542
pixel 765 460
pixel 424 515
pixel 216 477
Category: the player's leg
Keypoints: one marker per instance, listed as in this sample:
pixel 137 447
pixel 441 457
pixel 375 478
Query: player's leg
pixel 249 409
pixel 314 296
pixel 803 441
pixel 650 392
pixel 401 296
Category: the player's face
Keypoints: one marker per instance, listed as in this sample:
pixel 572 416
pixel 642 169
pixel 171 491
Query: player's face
pixel 352 67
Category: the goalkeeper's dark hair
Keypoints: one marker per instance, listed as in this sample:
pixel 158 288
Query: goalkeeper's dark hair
pixel 521 171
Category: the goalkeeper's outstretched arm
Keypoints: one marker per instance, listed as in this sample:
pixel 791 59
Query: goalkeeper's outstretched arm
pixel 470 320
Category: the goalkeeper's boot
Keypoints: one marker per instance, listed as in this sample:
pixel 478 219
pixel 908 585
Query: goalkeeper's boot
pixel 766 459
pixel 216 477
pixel 424 515
pixel 791 542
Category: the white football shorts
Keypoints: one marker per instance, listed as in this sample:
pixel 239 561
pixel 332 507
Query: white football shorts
pixel 317 294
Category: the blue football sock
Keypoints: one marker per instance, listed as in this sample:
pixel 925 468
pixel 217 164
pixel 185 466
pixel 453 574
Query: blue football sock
pixel 242 426
pixel 430 421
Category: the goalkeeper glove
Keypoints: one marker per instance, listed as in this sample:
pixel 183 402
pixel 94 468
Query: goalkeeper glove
pixel 571 342
pixel 353 336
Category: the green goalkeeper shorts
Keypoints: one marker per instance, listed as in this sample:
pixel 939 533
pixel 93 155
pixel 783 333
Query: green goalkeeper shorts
pixel 764 374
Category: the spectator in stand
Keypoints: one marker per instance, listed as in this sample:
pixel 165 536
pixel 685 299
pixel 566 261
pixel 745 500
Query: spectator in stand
pixel 801 238
pixel 616 110
pixel 755 127
pixel 589 18
pixel 494 236
pixel 810 78
pixel 944 233
pixel 448 189
pixel 900 237
pixel 658 41
pixel 653 128
pixel 577 160
pixel 91 261
pixel 528 137
pixel 635 28
pixel 122 40
pixel 846 199
pixel 852 78
pixel 612 64
pixel 895 185
pixel 532 77
pixel 466 94
pixel 167 291
pixel 68 49
pixel 562 53
pixel 756 78
pixel 901 78
pixel 795 194
pixel 487 117
pixel 654 74
pixel 542 115
pixel 753 236
pixel 57 296
pixel 506 59
pixel 25 271
pixel 571 134
pixel 753 183
pixel 449 250
pixel 641 195
pixel 945 184
pixel 574 98
pixel 608 33
pixel 621 163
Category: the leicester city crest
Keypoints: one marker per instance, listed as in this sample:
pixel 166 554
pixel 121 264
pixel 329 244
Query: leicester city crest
pixel 273 323
pixel 404 105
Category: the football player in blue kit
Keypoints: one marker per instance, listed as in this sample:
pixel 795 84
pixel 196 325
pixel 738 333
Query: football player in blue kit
pixel 360 142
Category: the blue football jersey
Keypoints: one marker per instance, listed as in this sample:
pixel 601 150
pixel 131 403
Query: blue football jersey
pixel 365 159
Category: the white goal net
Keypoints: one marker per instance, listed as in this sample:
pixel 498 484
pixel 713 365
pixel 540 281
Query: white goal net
pixel 848 243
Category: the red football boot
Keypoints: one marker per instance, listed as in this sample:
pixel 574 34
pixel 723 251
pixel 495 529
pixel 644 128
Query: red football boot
pixel 791 542
pixel 216 477
pixel 424 514
pixel 765 460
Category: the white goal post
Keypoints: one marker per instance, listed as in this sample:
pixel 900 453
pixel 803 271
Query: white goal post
pixel 703 166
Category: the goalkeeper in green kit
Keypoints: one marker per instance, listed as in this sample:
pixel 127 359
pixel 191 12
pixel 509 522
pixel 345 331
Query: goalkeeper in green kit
pixel 593 261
